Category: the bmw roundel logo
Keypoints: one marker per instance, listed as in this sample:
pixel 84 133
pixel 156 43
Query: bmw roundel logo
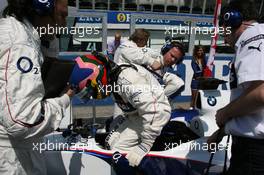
pixel 211 100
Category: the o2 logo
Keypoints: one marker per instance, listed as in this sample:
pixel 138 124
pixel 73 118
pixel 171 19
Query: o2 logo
pixel 25 65
pixel 116 156
pixel 45 2
pixel 227 16
pixel 211 100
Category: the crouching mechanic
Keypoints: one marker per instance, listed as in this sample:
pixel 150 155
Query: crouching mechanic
pixel 172 53
pixel 25 116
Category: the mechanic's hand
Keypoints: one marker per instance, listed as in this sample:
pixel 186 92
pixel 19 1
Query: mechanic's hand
pixel 221 117
pixel 156 65
pixel 173 84
pixel 137 153
pixel 215 139
pixel 168 77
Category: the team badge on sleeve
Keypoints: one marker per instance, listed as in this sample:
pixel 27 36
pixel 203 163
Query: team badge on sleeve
pixel 24 64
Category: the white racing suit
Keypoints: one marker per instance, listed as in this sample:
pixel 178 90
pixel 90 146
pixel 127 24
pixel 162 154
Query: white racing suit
pixel 147 110
pixel 129 52
pixel 25 116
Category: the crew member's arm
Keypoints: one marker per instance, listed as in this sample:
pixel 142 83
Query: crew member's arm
pixel 156 65
pixel 141 56
pixel 250 77
pixel 172 83
pixel 249 102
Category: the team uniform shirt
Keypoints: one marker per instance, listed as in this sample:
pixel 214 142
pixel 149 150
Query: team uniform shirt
pixel 248 66
pixel 25 116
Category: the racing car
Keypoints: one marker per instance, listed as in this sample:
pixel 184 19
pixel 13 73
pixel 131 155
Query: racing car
pixel 180 149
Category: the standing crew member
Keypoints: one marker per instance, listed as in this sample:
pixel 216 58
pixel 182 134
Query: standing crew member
pixel 25 116
pixel 243 117
pixel 114 44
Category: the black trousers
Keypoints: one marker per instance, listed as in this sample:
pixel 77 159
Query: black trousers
pixel 247 156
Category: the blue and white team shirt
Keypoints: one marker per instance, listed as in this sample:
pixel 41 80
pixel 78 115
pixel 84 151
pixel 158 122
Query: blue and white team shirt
pixel 248 66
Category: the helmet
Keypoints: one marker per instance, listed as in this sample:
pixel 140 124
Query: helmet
pixel 43 7
pixel 231 18
pixel 90 77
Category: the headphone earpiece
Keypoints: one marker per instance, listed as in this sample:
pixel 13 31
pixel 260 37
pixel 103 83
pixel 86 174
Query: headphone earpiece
pixel 232 18
pixel 43 7
pixel 169 45
pixel 166 47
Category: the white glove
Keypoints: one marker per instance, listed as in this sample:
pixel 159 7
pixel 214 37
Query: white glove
pixel 172 83
pixel 135 156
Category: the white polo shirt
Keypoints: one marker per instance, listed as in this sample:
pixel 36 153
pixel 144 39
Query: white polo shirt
pixel 248 67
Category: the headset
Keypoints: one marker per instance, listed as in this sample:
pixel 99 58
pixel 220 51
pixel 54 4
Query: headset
pixel 169 44
pixel 165 48
pixel 43 7
pixel 231 18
